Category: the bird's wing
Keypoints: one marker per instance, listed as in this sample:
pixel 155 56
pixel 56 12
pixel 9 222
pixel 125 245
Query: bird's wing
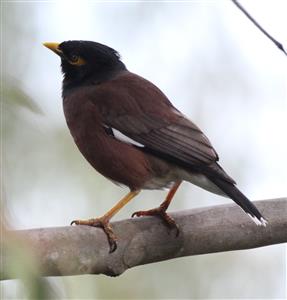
pixel 137 109
pixel 180 139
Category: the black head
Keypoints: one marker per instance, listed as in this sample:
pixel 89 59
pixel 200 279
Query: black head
pixel 84 62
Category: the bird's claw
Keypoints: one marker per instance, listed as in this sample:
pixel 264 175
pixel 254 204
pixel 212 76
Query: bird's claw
pixel 160 213
pixel 105 225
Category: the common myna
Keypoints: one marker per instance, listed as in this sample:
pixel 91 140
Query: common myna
pixel 131 133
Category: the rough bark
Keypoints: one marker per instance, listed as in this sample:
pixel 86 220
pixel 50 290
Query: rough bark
pixel 84 250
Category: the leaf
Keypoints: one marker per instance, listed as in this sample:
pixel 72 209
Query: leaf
pixel 13 94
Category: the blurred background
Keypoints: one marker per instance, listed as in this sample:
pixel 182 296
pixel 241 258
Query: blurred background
pixel 214 65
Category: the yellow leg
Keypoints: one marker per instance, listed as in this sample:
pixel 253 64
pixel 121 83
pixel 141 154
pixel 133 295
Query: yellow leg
pixel 161 210
pixel 104 221
pixel 108 215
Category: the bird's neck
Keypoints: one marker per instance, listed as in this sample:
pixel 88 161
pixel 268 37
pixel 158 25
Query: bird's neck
pixel 70 82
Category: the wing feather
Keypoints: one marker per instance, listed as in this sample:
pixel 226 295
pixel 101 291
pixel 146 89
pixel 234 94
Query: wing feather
pixel 139 110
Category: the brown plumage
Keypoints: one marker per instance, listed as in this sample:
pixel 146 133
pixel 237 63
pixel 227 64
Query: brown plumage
pixel 131 133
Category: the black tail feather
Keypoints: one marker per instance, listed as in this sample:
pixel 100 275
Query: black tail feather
pixel 238 197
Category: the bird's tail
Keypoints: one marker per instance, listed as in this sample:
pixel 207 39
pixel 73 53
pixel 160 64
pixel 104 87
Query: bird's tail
pixel 234 193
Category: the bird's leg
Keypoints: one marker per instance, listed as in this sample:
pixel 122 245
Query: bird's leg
pixel 104 221
pixel 161 210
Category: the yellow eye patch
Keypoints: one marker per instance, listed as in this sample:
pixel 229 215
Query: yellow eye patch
pixel 77 60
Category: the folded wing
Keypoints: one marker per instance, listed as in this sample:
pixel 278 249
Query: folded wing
pixel 142 112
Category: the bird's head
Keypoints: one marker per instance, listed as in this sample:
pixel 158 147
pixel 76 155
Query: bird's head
pixel 86 61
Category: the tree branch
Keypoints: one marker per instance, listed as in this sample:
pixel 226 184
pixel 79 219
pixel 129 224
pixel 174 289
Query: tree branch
pixel 84 250
pixel 270 37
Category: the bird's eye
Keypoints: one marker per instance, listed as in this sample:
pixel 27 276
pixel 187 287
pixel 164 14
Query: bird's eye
pixel 76 60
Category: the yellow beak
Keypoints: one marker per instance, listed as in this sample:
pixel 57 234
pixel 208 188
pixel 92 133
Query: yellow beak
pixel 54 47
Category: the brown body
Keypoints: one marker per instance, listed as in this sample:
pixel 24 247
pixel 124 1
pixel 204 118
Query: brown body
pixel 104 152
pixel 88 108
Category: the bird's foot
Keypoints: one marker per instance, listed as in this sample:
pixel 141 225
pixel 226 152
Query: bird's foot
pixel 159 212
pixel 105 225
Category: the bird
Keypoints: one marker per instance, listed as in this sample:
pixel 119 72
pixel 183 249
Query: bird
pixel 132 134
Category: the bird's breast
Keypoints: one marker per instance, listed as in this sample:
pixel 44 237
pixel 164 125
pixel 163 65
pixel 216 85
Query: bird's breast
pixel 114 159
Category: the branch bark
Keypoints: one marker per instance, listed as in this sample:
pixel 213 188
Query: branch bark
pixel 85 250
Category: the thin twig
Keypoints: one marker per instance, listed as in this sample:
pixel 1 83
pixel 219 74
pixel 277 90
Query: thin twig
pixel 279 45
